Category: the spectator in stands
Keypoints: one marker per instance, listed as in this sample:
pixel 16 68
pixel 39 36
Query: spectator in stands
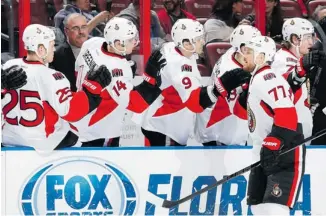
pixel 319 13
pixel 274 20
pixel 225 16
pixel 82 7
pixel 171 14
pixel 132 13
pixel 76 31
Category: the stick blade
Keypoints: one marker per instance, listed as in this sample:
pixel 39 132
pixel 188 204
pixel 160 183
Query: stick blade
pixel 169 204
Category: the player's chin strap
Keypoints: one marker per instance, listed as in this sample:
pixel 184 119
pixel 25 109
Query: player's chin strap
pixel 193 48
pixel 258 66
pixel 123 52
pixel 297 48
pixel 170 204
pixel 43 58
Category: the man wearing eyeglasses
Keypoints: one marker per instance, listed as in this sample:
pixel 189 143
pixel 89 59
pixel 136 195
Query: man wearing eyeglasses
pixel 76 31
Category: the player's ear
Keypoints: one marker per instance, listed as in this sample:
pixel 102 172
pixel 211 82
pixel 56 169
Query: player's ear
pixel 117 44
pixel 295 40
pixel 187 45
pixel 41 50
pixel 260 58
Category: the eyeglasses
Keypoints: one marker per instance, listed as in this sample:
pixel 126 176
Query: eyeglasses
pixel 78 28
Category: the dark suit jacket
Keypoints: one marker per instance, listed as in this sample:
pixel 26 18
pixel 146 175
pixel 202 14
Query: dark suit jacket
pixel 64 61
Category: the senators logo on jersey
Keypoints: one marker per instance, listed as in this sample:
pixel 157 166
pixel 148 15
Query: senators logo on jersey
pixel 117 72
pixel 186 68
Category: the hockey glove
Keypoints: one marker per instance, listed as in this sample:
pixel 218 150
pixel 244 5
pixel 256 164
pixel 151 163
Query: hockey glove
pixel 96 80
pixel 149 89
pixel 243 96
pixel 313 58
pixel 153 68
pixel 230 80
pixel 133 66
pixel 279 138
pixel 13 78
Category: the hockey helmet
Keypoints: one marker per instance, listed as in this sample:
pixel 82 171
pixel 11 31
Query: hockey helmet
pixel 262 44
pixel 35 35
pixel 187 29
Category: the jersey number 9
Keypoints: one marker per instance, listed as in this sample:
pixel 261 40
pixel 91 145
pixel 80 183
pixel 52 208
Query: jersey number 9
pixel 186 81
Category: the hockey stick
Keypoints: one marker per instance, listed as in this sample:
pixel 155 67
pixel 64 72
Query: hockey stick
pixel 170 203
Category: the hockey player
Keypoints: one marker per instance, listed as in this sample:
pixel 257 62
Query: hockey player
pixel 36 113
pixel 12 78
pixel 295 61
pixel 173 113
pixel 274 186
pixel 213 125
pixel 103 126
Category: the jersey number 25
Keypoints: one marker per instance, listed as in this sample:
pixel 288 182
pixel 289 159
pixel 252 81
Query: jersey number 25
pixel 24 105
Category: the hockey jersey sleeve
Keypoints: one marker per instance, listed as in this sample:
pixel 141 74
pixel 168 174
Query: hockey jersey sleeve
pixel 287 66
pixel 276 98
pixel 283 65
pixel 57 93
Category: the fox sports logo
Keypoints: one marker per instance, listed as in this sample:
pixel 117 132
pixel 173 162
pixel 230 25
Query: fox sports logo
pixel 78 186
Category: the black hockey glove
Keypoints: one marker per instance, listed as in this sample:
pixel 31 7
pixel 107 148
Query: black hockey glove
pixel 230 80
pixel 243 96
pixel 313 58
pixel 133 66
pixel 13 78
pixel 279 139
pixel 149 89
pixel 95 80
pixel 153 68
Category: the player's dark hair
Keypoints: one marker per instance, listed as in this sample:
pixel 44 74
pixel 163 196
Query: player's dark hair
pixel 287 44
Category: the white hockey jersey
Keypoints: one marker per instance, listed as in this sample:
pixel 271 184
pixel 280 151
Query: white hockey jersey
pixel 107 119
pixel 284 63
pixel 33 112
pixel 270 101
pixel 226 120
pixel 173 112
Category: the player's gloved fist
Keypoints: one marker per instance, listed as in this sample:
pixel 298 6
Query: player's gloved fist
pixel 313 58
pixel 13 78
pixel 97 79
pixel 243 96
pixel 279 139
pixel 133 66
pixel 153 68
pixel 269 154
pixel 230 80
